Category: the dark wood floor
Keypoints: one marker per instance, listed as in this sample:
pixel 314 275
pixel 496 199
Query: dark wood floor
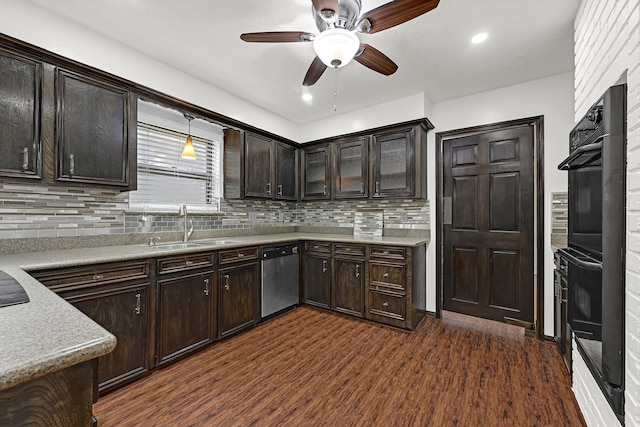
pixel 314 368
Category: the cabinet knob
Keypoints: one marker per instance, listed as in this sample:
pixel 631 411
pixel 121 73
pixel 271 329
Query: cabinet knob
pixel 377 187
pixel 386 274
pixel 98 276
pixel 240 254
pixel 137 309
pixel 385 304
pixel 188 263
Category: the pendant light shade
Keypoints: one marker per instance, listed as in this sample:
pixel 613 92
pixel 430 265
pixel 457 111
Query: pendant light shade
pixel 189 152
pixel 336 47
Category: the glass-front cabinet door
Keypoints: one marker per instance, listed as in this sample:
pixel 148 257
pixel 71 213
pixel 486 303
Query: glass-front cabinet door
pixel 316 173
pixel 351 168
pixel 393 164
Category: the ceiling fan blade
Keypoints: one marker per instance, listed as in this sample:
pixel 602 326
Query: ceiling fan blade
pixel 327 8
pixel 315 71
pixel 393 13
pixel 376 60
pixel 278 37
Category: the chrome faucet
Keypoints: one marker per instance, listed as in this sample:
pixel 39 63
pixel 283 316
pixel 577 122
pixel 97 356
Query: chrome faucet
pixel 153 240
pixel 187 232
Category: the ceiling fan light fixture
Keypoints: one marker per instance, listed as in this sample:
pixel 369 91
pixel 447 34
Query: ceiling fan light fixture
pixel 336 47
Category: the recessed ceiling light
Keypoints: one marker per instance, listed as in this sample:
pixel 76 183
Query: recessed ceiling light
pixel 307 97
pixel 479 38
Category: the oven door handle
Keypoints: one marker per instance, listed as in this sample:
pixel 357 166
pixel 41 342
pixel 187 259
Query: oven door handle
pixel 595 147
pixel 581 263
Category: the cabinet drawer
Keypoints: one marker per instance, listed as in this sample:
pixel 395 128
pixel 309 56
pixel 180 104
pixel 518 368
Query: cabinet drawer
pixel 92 275
pixel 387 306
pixel 323 247
pixel 389 275
pixel 184 262
pixel 388 252
pixel 240 254
pixel 349 249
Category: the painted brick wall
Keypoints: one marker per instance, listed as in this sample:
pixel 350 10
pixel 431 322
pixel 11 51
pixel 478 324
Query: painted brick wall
pixel 607 45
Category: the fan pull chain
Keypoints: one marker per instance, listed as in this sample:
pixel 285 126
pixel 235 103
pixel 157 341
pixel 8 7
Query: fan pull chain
pixel 335 92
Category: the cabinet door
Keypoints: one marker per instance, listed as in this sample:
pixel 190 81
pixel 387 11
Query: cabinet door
pixel 393 164
pixel 316 279
pixel 20 149
pixel 126 313
pixel 286 172
pixel 92 131
pixel 351 168
pixel 348 286
pixel 237 298
pixel 316 172
pixel 259 164
pixel 185 314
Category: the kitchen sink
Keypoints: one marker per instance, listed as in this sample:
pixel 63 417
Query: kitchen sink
pixel 213 242
pixel 166 246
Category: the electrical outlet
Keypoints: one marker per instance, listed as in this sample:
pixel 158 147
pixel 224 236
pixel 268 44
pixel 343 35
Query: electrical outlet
pixel 404 218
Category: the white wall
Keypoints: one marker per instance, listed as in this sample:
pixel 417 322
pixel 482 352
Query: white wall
pixel 607 44
pixel 34 25
pixel 551 97
pixel 397 111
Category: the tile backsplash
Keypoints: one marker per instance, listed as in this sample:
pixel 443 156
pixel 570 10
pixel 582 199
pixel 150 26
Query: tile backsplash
pixel 34 210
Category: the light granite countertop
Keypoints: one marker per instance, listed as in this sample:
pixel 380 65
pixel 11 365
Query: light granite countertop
pixel 48 334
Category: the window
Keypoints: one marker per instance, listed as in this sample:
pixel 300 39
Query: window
pixel 165 180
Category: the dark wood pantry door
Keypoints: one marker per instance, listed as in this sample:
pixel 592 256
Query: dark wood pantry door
pixel 488 225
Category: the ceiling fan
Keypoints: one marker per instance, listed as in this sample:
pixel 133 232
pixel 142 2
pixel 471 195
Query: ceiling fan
pixel 337 44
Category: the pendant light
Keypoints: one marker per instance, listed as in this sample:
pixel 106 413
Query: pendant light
pixel 189 152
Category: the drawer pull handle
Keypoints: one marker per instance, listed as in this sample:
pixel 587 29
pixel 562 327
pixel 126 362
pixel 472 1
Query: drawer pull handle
pixel 268 188
pixel 98 276
pixel 206 287
pixel 324 190
pixel 280 190
pixel 357 270
pixel 188 263
pixel 324 265
pixel 386 274
pixel 316 246
pixel 385 252
pixel 137 309
pixel 72 165
pixel 385 304
pixel 240 255
pixel 226 282
pixel 25 158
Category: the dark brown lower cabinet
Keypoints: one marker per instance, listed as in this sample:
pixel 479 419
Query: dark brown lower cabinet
pixel 316 279
pixel 125 312
pixel 348 286
pixel 185 314
pixel 238 304
pixel 119 297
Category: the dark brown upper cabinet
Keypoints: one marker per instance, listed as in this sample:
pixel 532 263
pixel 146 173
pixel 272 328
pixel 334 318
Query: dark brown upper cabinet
pixel 20 107
pixel 286 172
pixel 257 166
pixel 259 159
pixel 398 162
pixel 316 173
pixel 351 168
pixel 95 131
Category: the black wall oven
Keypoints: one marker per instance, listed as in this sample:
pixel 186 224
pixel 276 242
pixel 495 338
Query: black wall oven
pixel 596 242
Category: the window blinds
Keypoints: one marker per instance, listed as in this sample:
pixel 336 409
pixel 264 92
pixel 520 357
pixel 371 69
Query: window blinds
pixel 165 180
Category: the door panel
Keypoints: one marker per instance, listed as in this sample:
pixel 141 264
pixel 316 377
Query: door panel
pixel 505 209
pixel 488 247
pixel 465 205
pixel 465 274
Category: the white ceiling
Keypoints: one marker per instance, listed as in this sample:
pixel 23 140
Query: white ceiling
pixel 527 40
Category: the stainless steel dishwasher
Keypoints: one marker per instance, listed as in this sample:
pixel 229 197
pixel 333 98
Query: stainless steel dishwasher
pixel 280 278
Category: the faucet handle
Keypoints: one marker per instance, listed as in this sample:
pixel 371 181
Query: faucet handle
pixel 153 240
